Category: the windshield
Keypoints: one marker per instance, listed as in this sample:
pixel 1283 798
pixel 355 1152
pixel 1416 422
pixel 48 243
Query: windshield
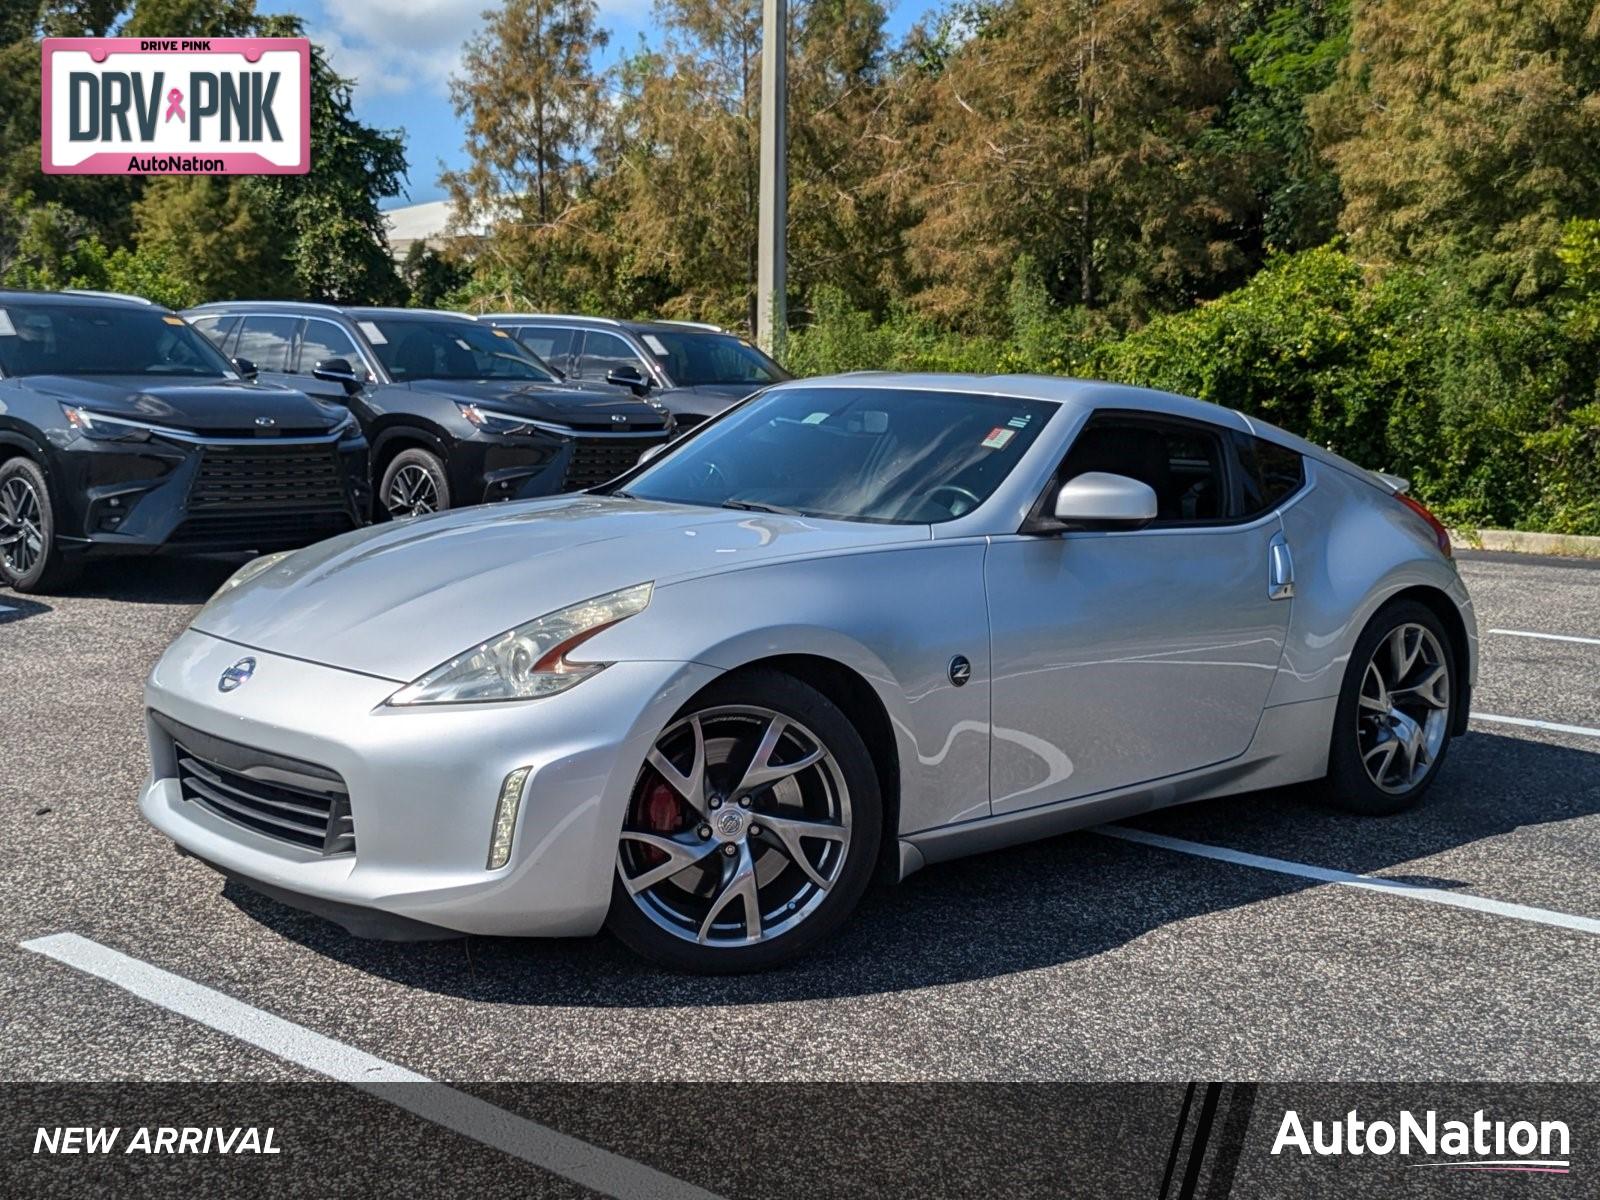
pixel 695 358
pixel 449 348
pixel 852 453
pixel 86 339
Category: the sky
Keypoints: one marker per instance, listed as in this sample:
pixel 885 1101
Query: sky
pixel 403 52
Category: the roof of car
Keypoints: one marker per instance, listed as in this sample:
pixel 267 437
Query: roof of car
pixel 77 296
pixel 659 326
pixel 353 312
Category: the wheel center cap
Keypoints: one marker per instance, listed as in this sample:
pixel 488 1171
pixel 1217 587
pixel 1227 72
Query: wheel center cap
pixel 730 824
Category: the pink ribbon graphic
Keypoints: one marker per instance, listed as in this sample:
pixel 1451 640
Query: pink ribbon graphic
pixel 175 105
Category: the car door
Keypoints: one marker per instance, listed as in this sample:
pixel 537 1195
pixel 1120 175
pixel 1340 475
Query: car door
pixel 320 341
pixel 268 340
pixel 1121 657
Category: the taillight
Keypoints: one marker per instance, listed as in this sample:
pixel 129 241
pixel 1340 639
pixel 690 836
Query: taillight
pixel 1440 533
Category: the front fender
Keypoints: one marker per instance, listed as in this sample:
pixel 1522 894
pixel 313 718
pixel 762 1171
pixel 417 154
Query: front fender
pixel 896 617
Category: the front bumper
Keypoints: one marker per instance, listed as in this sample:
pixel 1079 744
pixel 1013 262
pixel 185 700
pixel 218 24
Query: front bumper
pixel 423 783
pixel 164 495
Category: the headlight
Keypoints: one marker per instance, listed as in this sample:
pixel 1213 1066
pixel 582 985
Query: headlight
pixel 256 566
pixel 490 421
pixel 528 661
pixel 103 428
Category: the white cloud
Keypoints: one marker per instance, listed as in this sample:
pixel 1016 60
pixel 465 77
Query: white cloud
pixel 396 46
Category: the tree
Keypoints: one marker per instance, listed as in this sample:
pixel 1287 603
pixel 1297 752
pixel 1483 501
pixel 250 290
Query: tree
pixel 430 276
pixel 532 102
pixel 1468 128
pixel 1074 131
pixel 223 234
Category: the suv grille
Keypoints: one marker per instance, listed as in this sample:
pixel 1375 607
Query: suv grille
pixel 268 477
pixel 283 798
pixel 597 460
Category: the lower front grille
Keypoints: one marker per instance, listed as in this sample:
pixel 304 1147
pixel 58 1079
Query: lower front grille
pixel 260 530
pixel 283 798
pixel 599 460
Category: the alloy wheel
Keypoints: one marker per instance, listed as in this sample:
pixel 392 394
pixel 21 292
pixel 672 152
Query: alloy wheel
pixel 21 526
pixel 412 492
pixel 1404 710
pixel 738 827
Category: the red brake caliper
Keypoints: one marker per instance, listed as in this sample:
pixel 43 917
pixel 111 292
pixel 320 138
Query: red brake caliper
pixel 656 808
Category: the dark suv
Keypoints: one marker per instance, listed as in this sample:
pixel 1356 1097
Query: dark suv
pixel 695 370
pixel 122 430
pixel 457 412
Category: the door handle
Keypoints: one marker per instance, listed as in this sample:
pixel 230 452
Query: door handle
pixel 1280 569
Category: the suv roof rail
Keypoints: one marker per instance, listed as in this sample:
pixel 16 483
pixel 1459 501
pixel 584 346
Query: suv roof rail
pixel 508 316
pixel 320 307
pixel 128 296
pixel 691 324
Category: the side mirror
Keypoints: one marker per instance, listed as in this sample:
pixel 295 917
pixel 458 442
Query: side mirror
pixel 1100 500
pixel 337 370
pixel 651 452
pixel 628 377
pixel 247 369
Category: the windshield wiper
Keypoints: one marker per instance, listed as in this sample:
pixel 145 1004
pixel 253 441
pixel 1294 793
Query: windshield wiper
pixel 757 506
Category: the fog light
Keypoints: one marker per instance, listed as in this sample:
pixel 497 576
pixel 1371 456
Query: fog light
pixel 505 818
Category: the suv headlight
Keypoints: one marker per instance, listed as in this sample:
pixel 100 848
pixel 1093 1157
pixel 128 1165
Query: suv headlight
pixel 490 421
pixel 529 661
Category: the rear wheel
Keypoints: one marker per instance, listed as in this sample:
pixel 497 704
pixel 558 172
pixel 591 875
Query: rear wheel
pixel 30 560
pixel 414 483
pixel 752 831
pixel 1392 728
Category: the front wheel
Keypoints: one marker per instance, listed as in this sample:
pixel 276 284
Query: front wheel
pixel 414 483
pixel 30 560
pixel 752 831
pixel 1392 727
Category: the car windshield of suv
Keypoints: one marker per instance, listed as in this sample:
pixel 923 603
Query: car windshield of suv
pixel 693 358
pixel 88 339
pixel 850 453
pixel 450 349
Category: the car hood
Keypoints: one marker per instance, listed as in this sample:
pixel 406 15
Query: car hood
pixel 562 403
pixel 708 399
pixel 212 405
pixel 396 600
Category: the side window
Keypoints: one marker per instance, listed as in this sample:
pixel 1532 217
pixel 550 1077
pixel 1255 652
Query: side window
pixel 1182 463
pixel 324 340
pixel 603 352
pixel 1269 474
pixel 553 343
pixel 268 341
pixel 216 327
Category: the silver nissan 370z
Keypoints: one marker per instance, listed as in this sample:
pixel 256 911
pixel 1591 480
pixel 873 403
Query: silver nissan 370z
pixel 853 626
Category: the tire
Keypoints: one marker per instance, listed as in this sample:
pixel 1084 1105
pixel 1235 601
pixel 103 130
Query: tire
pixel 413 483
pixel 717 870
pixel 30 559
pixel 1362 734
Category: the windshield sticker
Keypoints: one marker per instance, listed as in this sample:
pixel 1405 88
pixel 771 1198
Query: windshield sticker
pixel 7 329
pixel 1018 422
pixel 655 344
pixel 998 438
pixel 374 334
pixel 815 419
pixel 500 333
pixel 173 320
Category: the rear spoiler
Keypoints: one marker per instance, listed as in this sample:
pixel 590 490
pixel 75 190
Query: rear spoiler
pixel 1394 483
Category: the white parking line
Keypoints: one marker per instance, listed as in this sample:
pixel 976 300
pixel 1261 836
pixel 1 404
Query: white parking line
pixel 8 608
pixel 1375 883
pixel 1580 730
pixel 1549 637
pixel 583 1164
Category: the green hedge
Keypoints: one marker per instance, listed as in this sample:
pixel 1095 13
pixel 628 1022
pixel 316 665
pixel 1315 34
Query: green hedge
pixel 1490 411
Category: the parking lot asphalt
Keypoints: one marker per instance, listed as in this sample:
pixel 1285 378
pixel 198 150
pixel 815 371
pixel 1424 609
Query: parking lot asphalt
pixel 1083 957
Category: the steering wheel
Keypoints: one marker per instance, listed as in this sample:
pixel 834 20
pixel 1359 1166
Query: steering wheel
pixel 960 493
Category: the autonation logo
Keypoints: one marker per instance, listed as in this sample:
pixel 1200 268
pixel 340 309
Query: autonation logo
pixel 1479 1144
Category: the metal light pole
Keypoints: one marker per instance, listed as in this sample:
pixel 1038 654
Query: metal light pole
pixel 772 268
